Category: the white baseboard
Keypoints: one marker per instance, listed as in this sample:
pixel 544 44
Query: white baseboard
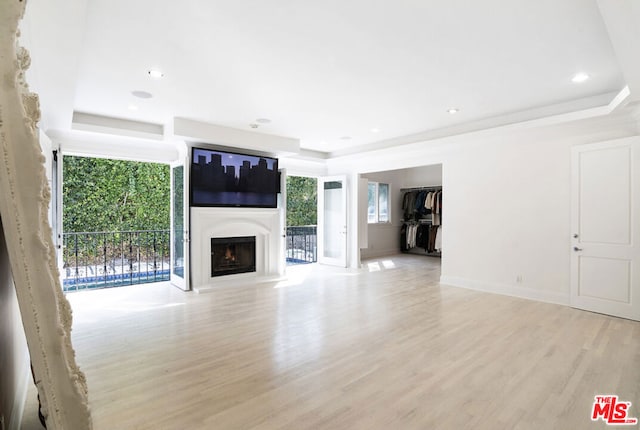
pixel 507 290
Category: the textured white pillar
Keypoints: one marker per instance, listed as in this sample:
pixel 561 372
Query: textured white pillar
pixel 24 199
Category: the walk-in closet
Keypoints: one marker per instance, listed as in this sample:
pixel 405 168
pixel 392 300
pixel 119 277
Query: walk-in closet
pixel 417 213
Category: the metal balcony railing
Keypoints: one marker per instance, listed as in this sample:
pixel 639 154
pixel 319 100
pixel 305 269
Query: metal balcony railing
pixel 110 259
pixel 302 244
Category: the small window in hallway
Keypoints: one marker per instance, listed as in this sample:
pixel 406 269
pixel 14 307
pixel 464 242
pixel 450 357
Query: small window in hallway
pixel 378 197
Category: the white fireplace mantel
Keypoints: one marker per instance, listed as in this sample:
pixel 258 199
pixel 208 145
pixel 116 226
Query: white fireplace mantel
pixel 264 224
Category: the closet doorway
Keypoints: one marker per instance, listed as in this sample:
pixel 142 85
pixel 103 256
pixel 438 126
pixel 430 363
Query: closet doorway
pixel 408 190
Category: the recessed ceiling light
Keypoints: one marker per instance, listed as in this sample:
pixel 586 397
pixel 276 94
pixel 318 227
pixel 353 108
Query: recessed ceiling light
pixel 155 73
pixel 345 138
pixel 263 120
pixel 453 110
pixel 375 130
pixel 141 94
pixel 580 77
pixel 133 107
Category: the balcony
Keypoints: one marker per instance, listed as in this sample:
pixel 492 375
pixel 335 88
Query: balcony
pixel 302 244
pixel 111 259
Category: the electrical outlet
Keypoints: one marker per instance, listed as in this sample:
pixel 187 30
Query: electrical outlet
pixel 519 279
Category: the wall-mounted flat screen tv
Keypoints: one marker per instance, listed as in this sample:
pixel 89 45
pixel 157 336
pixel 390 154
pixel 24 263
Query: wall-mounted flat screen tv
pixel 229 179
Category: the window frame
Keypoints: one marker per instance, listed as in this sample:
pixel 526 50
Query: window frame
pixel 377 206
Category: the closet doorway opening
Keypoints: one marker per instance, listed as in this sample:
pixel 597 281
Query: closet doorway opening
pixel 413 223
pixel 302 220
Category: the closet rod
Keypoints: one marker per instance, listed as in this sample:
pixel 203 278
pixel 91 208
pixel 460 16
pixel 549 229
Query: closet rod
pixel 432 187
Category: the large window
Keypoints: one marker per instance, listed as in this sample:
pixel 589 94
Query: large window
pixel 378 203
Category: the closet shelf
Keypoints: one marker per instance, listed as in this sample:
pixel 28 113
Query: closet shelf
pixel 427 188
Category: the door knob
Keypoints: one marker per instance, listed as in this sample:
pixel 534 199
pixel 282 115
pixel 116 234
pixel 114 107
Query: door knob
pixel 575 248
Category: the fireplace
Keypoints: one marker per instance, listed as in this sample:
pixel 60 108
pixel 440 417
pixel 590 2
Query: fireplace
pixel 233 255
pixel 207 223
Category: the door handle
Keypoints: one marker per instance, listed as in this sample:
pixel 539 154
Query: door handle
pixel 576 249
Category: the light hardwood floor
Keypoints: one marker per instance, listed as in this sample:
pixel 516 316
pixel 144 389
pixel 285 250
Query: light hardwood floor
pixel 384 347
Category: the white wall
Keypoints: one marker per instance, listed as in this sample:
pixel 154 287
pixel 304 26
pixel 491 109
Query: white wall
pixel 422 176
pixel 303 167
pixel 115 147
pixel 54 35
pixel 507 202
pixel 508 205
pixel 384 238
pixel 507 215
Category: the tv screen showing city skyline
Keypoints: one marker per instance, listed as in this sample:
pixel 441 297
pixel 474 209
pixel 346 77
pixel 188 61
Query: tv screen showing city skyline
pixel 220 178
pixel 232 159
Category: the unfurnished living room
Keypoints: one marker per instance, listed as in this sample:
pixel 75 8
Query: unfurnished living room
pixel 350 214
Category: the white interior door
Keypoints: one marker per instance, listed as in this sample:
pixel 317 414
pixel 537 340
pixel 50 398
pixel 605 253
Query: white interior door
pixel 332 220
pixel 179 241
pixel 605 227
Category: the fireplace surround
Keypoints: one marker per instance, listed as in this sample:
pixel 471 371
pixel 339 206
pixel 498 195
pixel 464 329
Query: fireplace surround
pixel 265 224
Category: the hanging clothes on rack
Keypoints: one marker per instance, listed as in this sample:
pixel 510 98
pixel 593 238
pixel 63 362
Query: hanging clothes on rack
pixel 422 236
pixel 428 203
pixel 422 209
pixel 436 209
pixel 409 205
pixel 411 235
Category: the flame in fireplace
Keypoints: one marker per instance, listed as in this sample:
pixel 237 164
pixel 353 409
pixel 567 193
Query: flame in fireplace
pixel 230 254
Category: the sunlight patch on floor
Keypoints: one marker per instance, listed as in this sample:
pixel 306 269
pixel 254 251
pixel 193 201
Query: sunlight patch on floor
pixel 376 266
pixel 296 275
pixel 388 264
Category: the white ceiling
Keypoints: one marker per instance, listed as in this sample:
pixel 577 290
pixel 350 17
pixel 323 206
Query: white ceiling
pixel 321 70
